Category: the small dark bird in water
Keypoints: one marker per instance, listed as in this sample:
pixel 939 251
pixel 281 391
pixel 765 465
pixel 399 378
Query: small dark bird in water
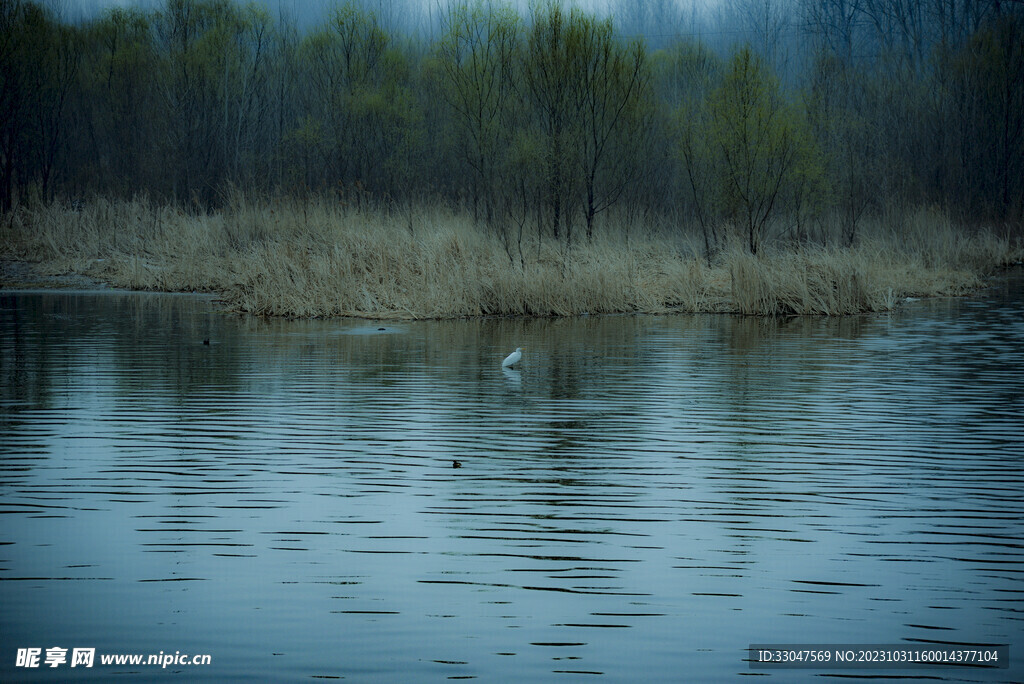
pixel 207 341
pixel 456 464
pixel 381 328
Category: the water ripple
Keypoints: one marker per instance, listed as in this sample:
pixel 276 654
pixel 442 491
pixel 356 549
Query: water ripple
pixel 645 492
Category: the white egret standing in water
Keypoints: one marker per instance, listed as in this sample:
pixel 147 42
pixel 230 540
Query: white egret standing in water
pixel 513 358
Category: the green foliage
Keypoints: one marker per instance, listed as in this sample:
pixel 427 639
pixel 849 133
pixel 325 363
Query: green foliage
pixel 764 148
pixel 551 68
pixel 592 100
pixel 685 74
pixel 40 61
pixel 548 119
pixel 985 88
pixel 118 65
pixel 617 105
pixel 478 77
pixel 361 95
pixel 841 126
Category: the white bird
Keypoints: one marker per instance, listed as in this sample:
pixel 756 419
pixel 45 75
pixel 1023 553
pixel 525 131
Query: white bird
pixel 513 358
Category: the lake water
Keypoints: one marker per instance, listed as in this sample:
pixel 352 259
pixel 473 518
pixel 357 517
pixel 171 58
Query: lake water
pixel 640 501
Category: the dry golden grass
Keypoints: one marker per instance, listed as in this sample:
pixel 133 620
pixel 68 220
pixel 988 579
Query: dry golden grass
pixel 319 259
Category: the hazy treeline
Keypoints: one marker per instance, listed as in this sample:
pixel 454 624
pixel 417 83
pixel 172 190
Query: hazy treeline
pixel 537 119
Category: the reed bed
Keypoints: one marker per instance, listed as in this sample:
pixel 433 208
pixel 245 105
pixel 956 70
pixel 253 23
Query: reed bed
pixel 318 259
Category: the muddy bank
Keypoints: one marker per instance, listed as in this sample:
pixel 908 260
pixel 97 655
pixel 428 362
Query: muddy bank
pixel 24 275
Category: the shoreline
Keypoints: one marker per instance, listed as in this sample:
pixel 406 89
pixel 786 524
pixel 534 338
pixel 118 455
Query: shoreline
pixel 24 277
pixel 274 259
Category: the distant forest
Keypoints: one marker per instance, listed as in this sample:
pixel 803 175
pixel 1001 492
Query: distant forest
pixel 546 115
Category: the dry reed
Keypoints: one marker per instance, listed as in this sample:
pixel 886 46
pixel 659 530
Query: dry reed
pixel 319 259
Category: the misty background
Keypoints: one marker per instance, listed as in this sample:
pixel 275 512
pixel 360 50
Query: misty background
pixel 552 116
